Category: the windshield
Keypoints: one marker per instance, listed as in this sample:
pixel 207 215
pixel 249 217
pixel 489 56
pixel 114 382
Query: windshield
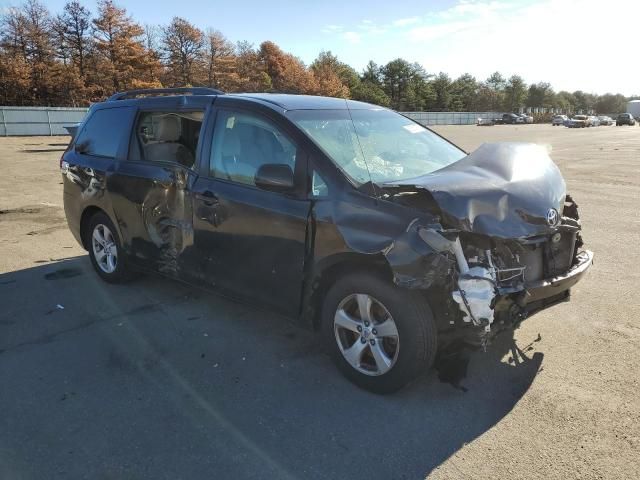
pixel 378 145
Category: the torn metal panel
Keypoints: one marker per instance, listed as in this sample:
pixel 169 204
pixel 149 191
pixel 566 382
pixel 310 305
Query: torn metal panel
pixel 167 218
pixel 153 209
pixel 414 263
pixel 475 288
pixel 502 190
pixel 360 224
pixel 475 294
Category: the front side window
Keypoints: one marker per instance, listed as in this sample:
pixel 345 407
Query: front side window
pixel 376 145
pixel 319 187
pixel 103 132
pixel 243 142
pixel 169 136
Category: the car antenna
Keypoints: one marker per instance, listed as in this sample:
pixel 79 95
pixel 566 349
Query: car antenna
pixel 366 164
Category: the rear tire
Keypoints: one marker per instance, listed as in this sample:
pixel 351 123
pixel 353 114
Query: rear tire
pixel 385 359
pixel 105 250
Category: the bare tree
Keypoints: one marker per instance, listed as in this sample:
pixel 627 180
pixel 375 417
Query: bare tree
pixel 72 28
pixel 38 31
pixel 152 36
pixel 119 43
pixel 13 35
pixel 182 44
pixel 220 59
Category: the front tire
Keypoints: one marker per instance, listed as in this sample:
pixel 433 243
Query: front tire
pixel 381 337
pixel 105 250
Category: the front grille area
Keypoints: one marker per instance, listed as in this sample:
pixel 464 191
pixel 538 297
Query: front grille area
pixel 532 259
pixel 541 258
pixel 517 263
pixel 559 255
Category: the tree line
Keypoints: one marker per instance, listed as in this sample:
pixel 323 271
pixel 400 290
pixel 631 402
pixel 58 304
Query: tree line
pixel 74 57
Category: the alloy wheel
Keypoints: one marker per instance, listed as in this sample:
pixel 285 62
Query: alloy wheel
pixel 105 249
pixel 366 333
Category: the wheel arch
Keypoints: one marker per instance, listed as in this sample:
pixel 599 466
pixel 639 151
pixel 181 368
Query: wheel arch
pixel 85 220
pixel 329 270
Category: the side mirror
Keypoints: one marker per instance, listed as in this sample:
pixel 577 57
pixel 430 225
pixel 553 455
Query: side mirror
pixel 274 177
pixel 80 148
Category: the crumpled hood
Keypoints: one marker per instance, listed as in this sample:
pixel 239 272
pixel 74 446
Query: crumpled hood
pixel 501 189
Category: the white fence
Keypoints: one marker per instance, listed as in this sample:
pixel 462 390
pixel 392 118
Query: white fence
pixel 24 121
pixel 450 118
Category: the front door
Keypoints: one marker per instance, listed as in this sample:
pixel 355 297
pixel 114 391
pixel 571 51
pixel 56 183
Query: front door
pixel 251 242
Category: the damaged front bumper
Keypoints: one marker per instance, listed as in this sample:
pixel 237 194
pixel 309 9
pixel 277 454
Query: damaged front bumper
pixel 498 284
pixel 552 287
pixel 511 308
pixel 506 239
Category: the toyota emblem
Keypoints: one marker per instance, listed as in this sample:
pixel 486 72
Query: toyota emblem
pixel 552 217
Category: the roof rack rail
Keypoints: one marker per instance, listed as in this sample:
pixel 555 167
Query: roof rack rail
pixel 164 91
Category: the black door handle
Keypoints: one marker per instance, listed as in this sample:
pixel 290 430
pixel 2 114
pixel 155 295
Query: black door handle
pixel 207 197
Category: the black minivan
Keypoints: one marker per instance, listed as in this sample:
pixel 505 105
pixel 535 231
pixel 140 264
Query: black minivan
pixel 382 235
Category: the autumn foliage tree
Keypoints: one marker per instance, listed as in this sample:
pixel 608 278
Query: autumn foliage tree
pixel 78 56
pixel 27 40
pixel 122 58
pixel 286 72
pixel 220 61
pixel 15 80
pixel 183 45
pixel 331 76
pixel 250 74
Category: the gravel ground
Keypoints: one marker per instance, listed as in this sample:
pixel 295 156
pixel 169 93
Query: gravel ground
pixel 158 380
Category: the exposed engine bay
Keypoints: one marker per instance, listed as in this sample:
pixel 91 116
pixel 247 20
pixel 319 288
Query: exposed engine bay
pixel 507 227
pixel 492 276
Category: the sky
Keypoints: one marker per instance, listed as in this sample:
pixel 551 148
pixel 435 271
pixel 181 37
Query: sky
pixel 589 45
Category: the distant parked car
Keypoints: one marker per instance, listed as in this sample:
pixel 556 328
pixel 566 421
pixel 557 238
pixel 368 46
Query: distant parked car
pixel 512 118
pixel 559 120
pixel 526 117
pixel 625 119
pixel 605 120
pixel 485 122
pixel 595 121
pixel 578 121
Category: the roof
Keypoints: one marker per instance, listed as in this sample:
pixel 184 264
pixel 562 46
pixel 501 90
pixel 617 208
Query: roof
pixel 130 94
pixel 196 95
pixel 305 102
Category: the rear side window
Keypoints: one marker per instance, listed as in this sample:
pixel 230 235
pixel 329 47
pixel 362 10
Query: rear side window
pixel 103 132
pixel 168 136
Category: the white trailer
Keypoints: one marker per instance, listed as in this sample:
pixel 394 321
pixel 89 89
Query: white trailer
pixel 633 107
